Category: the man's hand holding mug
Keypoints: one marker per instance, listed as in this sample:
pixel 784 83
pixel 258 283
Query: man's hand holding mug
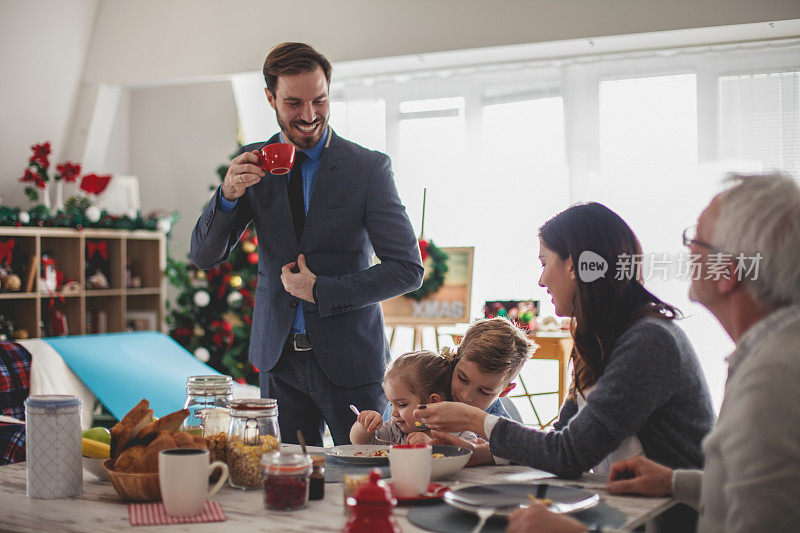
pixel 248 168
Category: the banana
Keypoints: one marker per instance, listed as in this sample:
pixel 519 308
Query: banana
pixel 94 449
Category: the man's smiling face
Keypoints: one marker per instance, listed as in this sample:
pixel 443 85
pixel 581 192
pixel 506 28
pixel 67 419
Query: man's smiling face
pixel 301 107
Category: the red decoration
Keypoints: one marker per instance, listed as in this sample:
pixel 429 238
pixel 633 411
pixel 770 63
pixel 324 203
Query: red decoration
pixel 97 246
pixel 31 176
pixel 68 171
pixel 6 249
pixel 423 248
pixel 40 155
pixel 252 258
pixel 224 334
pixel 95 184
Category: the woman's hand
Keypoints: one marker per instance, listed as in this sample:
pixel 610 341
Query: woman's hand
pixel 639 475
pixel 538 518
pixel 480 448
pixel 451 417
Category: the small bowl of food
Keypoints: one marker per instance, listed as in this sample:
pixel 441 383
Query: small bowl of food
pixel 447 460
pixel 95 467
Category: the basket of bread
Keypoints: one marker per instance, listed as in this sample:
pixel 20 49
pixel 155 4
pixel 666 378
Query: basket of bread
pixel 135 443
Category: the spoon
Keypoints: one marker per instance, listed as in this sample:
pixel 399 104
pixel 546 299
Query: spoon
pixel 483 515
pixel 357 412
pixel 10 420
pixel 302 441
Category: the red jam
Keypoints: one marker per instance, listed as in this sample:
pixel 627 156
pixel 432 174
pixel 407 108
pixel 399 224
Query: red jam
pixel 283 492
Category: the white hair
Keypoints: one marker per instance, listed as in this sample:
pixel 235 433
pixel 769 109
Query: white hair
pixel 760 214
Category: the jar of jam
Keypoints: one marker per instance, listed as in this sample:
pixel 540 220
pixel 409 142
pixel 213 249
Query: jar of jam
pixel 208 400
pixel 286 478
pixel 253 432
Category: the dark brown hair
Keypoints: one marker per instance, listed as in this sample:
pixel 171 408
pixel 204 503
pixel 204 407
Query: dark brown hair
pixel 603 308
pixel 497 346
pixel 424 373
pixel 288 59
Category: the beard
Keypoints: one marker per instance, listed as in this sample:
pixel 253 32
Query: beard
pixel 303 142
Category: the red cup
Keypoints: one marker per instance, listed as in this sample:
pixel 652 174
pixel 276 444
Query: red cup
pixel 277 158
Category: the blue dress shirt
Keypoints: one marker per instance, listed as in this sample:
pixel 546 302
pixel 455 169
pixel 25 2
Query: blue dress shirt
pixel 310 169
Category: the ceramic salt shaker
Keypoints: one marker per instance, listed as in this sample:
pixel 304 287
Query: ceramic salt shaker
pixel 53 446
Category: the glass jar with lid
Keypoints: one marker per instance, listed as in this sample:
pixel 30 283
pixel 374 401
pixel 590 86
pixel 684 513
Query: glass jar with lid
pixel 286 480
pixel 253 432
pixel 208 399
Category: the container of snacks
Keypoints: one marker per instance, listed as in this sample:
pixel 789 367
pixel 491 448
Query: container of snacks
pixel 286 477
pixel 253 432
pixel 208 399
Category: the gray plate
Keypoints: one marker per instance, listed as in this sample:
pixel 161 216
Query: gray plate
pixel 506 498
pixel 358 454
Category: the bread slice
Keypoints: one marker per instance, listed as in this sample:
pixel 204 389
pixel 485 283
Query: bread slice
pixel 129 427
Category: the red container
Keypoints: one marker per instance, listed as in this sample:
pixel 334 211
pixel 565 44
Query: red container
pixel 277 158
pixel 372 508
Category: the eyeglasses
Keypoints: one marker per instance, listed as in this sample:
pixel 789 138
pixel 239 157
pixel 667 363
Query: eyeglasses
pixel 689 235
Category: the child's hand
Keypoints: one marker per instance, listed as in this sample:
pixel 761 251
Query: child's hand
pixel 418 438
pixel 371 420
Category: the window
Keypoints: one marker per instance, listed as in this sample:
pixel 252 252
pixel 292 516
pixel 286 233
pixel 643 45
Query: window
pixel 759 120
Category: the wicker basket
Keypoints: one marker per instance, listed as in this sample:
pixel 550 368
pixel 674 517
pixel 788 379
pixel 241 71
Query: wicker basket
pixel 133 486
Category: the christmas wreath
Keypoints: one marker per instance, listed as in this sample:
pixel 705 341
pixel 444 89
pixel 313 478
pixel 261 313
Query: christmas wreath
pixel 434 278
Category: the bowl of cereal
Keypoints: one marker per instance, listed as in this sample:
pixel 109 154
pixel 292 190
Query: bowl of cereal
pixel 447 460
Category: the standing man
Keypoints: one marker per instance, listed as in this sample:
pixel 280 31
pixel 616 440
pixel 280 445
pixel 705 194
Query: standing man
pixel 317 335
pixel 746 244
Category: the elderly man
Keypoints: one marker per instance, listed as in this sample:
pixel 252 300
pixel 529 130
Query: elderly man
pixel 746 244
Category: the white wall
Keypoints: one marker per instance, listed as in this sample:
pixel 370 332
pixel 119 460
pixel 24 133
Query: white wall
pixel 42 49
pixel 178 137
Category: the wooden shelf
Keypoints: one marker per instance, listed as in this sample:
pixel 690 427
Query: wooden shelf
pixel 87 309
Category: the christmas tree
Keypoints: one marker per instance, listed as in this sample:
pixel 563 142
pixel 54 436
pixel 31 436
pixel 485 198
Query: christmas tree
pixel 214 308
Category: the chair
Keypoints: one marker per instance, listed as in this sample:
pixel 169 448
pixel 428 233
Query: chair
pixel 511 409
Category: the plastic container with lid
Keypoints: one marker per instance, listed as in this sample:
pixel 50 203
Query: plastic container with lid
pixel 208 399
pixel 53 446
pixel 253 432
pixel 286 478
pixel 372 508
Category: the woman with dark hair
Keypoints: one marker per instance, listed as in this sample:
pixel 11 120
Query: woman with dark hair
pixel 637 389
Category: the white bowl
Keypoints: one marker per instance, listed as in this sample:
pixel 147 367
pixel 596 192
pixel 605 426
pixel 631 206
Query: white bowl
pixel 94 466
pixel 454 460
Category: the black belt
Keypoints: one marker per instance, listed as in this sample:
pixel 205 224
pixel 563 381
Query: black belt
pixel 299 342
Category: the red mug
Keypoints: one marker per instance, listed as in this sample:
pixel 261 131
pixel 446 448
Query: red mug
pixel 277 158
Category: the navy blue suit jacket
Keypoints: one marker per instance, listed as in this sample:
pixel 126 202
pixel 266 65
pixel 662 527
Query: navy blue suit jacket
pixel 355 211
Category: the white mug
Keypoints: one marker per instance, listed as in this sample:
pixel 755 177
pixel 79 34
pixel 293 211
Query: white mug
pixel 183 476
pixel 411 469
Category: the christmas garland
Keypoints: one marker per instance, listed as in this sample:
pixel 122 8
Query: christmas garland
pixel 438 268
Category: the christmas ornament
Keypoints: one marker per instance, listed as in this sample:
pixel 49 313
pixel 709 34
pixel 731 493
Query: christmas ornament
pixel 252 258
pixel 164 225
pixel 233 318
pixel 201 275
pixel 94 184
pixel 24 217
pixel 201 299
pixel 202 354
pixel 12 283
pixel 236 281
pixel 248 247
pixel 198 331
pixel 93 213
pixel 435 270
pixel 235 299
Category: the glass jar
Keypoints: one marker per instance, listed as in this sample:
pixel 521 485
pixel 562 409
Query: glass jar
pixel 316 489
pixel 286 478
pixel 253 432
pixel 208 399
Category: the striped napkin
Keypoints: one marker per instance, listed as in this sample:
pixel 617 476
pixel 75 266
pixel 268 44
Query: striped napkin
pixel 154 514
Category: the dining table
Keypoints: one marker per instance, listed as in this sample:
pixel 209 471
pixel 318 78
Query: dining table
pixel 99 508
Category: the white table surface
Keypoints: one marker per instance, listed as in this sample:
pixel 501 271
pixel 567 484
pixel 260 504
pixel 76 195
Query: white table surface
pixel 100 510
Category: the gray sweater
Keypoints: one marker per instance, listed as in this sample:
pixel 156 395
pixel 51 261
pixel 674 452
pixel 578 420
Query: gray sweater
pixel 652 387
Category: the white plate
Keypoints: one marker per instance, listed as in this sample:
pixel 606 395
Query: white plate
pixel 506 498
pixel 358 453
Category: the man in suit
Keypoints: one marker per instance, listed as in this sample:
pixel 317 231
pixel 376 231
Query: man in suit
pixel 317 335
